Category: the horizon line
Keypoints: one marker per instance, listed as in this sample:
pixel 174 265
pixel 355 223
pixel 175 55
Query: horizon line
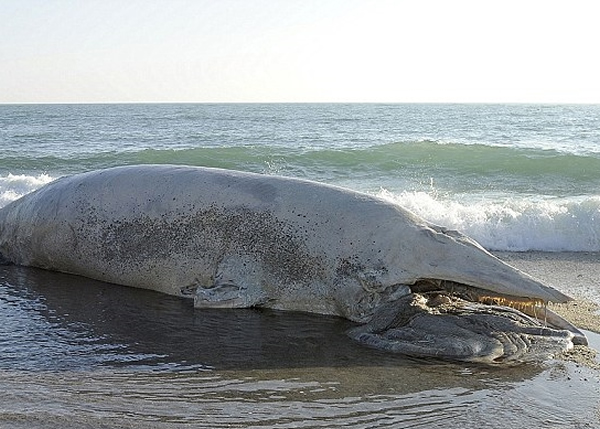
pixel 555 103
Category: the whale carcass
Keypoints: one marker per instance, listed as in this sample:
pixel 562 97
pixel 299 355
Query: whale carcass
pixel 236 240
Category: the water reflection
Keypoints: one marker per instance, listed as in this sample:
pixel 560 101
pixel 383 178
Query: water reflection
pixel 93 352
pixel 57 315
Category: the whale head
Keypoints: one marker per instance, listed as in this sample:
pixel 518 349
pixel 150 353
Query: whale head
pixel 465 304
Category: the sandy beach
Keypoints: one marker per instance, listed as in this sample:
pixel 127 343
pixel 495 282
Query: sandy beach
pixel 577 274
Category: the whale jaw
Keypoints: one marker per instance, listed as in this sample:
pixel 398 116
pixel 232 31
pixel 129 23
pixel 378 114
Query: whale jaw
pixel 461 323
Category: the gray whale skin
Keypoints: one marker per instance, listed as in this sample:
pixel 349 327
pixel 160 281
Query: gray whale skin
pixel 231 239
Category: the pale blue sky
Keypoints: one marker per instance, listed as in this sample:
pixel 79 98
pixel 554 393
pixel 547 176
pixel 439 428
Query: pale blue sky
pixel 299 50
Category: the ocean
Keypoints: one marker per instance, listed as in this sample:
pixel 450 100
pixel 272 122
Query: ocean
pixel 514 177
pixel 80 353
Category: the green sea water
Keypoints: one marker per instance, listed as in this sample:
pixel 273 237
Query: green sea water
pixel 515 177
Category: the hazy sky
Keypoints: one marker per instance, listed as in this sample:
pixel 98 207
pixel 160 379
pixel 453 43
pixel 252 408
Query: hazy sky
pixel 299 50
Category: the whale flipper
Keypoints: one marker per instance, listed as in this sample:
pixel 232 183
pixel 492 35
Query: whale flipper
pixel 234 285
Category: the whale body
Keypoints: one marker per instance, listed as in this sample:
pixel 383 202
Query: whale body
pixel 238 240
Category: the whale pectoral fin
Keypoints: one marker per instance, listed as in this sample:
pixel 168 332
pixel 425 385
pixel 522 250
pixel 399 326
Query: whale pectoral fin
pixel 236 285
pixel 222 294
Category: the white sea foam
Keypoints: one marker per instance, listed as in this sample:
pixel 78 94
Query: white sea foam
pixel 513 223
pixel 14 186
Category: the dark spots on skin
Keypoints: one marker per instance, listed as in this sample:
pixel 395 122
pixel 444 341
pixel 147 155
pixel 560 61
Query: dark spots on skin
pixel 208 235
pixel 353 268
pixel 349 267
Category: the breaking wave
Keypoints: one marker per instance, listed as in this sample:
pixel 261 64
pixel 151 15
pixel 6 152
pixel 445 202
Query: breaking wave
pixel 456 167
pixel 14 186
pixel 514 223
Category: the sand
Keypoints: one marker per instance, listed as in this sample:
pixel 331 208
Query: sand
pixel 576 274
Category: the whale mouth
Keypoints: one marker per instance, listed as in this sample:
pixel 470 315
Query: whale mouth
pixel 440 292
pixel 447 320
